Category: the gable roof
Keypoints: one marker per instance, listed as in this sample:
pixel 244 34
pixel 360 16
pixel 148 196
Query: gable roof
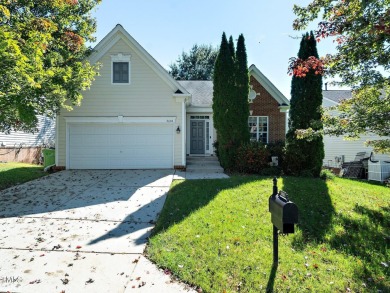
pixel 268 85
pixel 118 33
pixel 200 90
pixel 337 96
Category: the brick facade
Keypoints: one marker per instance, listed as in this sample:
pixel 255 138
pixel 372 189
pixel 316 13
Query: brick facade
pixel 265 105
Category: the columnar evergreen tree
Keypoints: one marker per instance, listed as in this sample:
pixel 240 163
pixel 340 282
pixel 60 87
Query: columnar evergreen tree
pixel 304 157
pixel 231 47
pixel 242 88
pixel 230 100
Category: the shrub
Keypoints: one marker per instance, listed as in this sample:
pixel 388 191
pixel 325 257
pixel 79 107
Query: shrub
pixel 271 171
pixel 216 146
pixel 277 149
pixel 252 158
pixel 327 174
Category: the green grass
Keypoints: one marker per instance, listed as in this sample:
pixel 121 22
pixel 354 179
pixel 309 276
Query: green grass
pixel 16 173
pixel 217 235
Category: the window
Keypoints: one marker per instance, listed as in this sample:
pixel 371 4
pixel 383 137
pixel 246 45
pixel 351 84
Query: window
pixel 258 128
pixel 120 72
pixel 120 69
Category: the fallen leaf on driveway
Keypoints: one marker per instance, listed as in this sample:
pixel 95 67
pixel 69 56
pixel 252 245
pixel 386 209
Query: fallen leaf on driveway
pixel 78 247
pixel 90 281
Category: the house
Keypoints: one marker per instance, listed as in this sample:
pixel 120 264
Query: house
pixel 137 116
pixel 337 149
pixel 20 146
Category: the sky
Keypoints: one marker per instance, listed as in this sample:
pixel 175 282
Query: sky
pixel 166 28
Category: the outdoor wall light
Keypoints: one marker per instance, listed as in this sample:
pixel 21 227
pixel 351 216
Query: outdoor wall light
pixel 178 130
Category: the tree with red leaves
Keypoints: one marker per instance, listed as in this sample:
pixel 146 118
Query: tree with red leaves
pixel 361 32
pixel 43 54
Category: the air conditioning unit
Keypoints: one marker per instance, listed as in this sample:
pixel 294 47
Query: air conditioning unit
pixel 378 170
pixel 339 159
pixel 274 161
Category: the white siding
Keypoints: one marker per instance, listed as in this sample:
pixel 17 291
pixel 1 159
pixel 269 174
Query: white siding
pixel 146 95
pixel 44 135
pixel 336 146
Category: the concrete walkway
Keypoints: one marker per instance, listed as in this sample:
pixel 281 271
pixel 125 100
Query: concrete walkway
pixel 202 167
pixel 83 231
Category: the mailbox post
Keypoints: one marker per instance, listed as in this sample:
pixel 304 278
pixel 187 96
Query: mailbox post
pixel 284 214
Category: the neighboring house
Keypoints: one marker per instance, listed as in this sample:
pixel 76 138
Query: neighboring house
pixel 19 146
pixel 337 149
pixel 137 116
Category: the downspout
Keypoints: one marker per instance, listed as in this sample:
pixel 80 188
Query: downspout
pixel 184 132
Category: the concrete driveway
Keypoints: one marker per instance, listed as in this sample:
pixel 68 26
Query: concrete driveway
pixel 82 231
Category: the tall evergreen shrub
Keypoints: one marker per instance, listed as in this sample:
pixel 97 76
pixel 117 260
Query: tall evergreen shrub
pixel 304 157
pixel 230 100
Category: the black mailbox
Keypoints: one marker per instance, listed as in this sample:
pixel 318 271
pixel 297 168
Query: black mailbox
pixel 284 213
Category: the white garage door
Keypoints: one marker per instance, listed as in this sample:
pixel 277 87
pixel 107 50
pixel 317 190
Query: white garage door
pixel 120 146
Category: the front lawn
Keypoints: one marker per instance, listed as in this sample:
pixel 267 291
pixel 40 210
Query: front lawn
pixel 16 173
pixel 217 234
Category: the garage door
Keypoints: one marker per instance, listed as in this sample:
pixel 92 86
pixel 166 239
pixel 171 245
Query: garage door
pixel 120 146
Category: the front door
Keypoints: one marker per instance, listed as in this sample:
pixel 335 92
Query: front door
pixel 197 137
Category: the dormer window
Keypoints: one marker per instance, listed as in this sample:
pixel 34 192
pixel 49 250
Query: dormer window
pixel 120 69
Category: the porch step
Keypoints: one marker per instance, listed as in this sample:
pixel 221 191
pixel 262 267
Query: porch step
pixel 203 164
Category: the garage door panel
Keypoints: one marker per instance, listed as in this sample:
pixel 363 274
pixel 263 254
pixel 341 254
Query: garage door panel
pixel 120 146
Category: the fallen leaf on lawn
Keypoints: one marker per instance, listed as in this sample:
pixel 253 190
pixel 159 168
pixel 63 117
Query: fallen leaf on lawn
pixel 56 247
pixel 180 266
pixel 315 266
pixel 323 249
pixel 284 277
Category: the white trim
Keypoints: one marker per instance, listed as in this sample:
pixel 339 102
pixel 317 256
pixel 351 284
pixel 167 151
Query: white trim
pixel 183 133
pixel 121 119
pixel 119 33
pixel 120 58
pixel 284 108
pixel 181 97
pixel 268 85
pixel 173 145
pixel 67 152
pixel 200 110
pixel 57 146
